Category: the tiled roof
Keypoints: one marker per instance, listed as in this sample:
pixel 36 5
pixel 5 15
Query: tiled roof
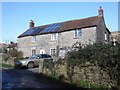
pixel 2 45
pixel 11 45
pixel 65 26
pixel 81 23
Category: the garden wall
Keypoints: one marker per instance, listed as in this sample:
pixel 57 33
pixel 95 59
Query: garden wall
pixel 86 75
pixel 7 60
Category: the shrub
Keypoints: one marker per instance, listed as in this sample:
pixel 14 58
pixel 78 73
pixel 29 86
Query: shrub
pixel 15 53
pixel 106 56
pixel 5 57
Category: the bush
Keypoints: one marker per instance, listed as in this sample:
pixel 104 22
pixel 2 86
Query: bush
pixel 48 64
pixel 106 56
pixel 5 57
pixel 15 53
pixel 101 59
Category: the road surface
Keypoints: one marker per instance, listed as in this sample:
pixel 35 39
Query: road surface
pixel 24 78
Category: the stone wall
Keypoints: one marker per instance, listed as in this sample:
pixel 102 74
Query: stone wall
pixel 65 39
pixel 0 57
pixel 24 45
pixel 101 29
pixel 68 39
pixel 10 61
pixel 88 73
pixel 45 43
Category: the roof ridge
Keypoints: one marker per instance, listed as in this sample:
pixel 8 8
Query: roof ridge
pixel 83 18
pixel 71 20
pixel 69 25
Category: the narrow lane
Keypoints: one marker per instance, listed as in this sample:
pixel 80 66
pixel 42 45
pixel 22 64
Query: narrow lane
pixel 15 78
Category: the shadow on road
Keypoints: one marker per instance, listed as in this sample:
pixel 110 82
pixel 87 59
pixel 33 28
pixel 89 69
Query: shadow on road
pixel 24 78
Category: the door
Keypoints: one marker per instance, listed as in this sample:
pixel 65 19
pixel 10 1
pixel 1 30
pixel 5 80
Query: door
pixel 33 52
pixel 42 51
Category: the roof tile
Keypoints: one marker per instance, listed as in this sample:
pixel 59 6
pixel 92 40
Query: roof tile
pixel 69 25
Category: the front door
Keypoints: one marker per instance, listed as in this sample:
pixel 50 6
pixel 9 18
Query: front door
pixel 33 52
pixel 42 51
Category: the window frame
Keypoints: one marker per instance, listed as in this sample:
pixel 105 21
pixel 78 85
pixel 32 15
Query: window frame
pixel 106 37
pixel 54 36
pixel 51 52
pixel 77 33
pixel 33 38
pixel 33 52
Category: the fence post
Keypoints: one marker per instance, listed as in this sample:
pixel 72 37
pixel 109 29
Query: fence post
pixel 41 66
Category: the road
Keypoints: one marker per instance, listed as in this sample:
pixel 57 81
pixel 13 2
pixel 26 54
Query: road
pixel 24 78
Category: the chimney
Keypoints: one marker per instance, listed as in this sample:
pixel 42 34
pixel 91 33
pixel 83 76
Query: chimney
pixel 100 11
pixel 31 24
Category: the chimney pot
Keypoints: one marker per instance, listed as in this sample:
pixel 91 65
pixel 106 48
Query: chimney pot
pixel 31 24
pixel 100 11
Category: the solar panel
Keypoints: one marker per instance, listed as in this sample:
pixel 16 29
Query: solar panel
pixel 46 29
pixel 56 27
pixel 37 30
pixel 28 32
pixel 33 31
pixel 51 28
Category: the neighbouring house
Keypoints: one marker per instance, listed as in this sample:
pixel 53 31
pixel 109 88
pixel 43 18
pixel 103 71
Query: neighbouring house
pixel 115 37
pixel 57 38
pixel 3 48
pixel 12 46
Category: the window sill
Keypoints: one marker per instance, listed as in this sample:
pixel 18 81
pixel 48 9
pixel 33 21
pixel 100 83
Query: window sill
pixel 53 40
pixel 77 37
pixel 33 41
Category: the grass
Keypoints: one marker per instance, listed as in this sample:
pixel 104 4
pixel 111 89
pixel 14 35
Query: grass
pixel 84 84
pixel 6 65
pixel 96 86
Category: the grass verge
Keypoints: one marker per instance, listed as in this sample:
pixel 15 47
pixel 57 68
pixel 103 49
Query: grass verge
pixel 6 66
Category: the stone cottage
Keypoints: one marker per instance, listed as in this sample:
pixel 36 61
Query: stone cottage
pixel 58 38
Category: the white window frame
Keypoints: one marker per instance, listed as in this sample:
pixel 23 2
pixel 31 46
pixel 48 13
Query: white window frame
pixel 33 51
pixel 54 36
pixel 33 38
pixel 77 33
pixel 51 53
pixel 106 36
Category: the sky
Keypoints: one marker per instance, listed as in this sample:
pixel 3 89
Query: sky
pixel 17 15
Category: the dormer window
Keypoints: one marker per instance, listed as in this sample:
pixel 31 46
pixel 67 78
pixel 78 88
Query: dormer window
pixel 77 33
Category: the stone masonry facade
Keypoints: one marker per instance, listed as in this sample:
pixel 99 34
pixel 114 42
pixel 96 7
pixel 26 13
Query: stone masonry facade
pixel 85 31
